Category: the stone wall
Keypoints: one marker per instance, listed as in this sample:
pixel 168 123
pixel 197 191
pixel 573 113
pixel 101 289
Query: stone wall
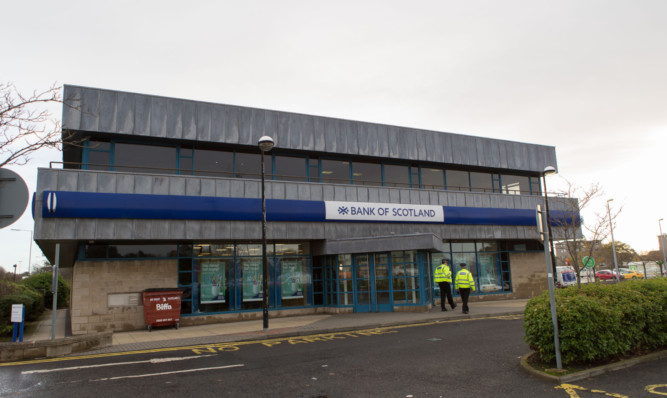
pixel 529 274
pixel 106 295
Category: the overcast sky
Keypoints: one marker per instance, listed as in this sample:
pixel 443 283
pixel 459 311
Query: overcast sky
pixel 587 77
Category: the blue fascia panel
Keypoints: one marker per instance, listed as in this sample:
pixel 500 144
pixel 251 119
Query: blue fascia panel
pixel 64 204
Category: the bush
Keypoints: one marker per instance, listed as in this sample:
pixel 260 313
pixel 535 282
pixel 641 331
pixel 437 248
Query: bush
pixel 16 293
pixel 599 322
pixel 42 283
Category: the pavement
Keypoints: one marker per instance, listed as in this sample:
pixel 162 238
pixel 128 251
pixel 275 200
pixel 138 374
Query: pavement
pixel 40 330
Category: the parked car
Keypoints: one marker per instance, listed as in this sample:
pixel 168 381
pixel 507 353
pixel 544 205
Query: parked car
pixel 630 273
pixel 605 274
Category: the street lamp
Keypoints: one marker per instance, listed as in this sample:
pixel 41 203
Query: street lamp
pixel 662 246
pixel 30 251
pixel 613 243
pixel 265 143
pixel 551 275
pixel 548 171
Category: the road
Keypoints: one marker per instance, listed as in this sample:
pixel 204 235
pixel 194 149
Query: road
pixel 457 358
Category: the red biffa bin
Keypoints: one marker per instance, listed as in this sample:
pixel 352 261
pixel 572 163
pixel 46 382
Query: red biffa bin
pixel 162 307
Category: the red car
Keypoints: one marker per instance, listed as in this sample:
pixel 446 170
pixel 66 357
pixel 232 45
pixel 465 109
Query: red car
pixel 606 274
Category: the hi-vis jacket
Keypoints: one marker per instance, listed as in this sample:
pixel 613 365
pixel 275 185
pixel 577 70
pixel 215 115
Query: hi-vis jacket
pixel 464 280
pixel 442 274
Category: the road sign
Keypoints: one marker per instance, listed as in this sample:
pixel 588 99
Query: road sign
pixel 13 197
pixel 588 262
pixel 17 313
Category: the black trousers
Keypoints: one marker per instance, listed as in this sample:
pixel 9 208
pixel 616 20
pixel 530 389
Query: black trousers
pixel 446 290
pixel 465 293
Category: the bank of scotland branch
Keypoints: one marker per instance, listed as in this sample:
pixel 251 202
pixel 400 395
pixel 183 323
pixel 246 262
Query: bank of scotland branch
pixel 158 192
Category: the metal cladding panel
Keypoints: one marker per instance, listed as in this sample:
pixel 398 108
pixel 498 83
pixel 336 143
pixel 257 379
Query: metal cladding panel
pixel 142 115
pixel 158 122
pixel 108 102
pixel 124 113
pixel 245 131
pixel 72 114
pixel 91 110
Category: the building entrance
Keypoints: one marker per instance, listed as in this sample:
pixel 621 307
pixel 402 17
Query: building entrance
pixel 372 284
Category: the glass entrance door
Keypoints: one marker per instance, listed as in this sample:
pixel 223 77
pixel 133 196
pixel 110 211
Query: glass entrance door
pixel 372 283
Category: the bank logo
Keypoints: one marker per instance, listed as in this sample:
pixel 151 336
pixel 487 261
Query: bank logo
pixel 386 212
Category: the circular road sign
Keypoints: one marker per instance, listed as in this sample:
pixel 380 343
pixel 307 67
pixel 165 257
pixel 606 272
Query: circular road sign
pixel 13 197
pixel 588 262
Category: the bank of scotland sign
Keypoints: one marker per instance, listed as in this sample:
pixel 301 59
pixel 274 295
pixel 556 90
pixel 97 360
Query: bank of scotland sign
pixel 363 211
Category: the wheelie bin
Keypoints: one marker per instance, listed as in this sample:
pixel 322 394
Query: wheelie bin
pixel 162 307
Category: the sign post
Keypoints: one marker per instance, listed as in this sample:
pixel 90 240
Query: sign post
pixel 18 317
pixel 54 290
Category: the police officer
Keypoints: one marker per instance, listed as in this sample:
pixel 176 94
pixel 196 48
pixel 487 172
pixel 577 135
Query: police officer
pixel 463 285
pixel 443 277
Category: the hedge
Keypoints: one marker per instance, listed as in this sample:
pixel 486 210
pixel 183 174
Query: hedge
pixel 599 322
pixel 16 293
pixel 42 283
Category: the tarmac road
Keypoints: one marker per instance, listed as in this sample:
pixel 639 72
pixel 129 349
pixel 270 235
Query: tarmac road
pixel 450 358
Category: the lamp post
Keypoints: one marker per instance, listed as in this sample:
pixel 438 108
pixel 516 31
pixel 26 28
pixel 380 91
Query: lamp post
pixel 548 171
pixel 30 251
pixel 265 143
pixel 613 243
pixel 662 246
pixel 551 271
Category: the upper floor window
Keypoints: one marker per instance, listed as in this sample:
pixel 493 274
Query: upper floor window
pixel 458 180
pixel 366 173
pixel 396 176
pixel 290 168
pixel 335 171
pixel 212 163
pixel 432 178
pixel 144 158
pixel 248 165
pixel 132 157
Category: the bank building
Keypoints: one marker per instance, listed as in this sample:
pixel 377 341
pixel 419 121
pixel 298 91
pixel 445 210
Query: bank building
pixel 156 192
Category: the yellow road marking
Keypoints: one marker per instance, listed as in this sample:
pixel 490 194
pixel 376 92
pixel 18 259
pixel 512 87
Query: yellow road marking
pixel 235 346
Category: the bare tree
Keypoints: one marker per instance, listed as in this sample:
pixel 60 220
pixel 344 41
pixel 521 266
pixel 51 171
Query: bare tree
pixel 25 125
pixel 597 227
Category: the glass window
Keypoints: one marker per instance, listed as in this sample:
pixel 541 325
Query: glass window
pixel 293 280
pixel 214 282
pixel 336 171
pixel 99 160
pixel 213 163
pixel 514 185
pixel 137 251
pixel 366 173
pixel 96 251
pixel 535 186
pixel 291 249
pixel 144 158
pixel 249 165
pixel 396 176
pixel 458 180
pixel 489 278
pixel 252 249
pixel 314 170
pixel 432 178
pixel 290 168
pixel 463 246
pixel 481 182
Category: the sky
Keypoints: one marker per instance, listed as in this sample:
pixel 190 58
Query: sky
pixel 587 77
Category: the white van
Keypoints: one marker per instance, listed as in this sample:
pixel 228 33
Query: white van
pixel 565 276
